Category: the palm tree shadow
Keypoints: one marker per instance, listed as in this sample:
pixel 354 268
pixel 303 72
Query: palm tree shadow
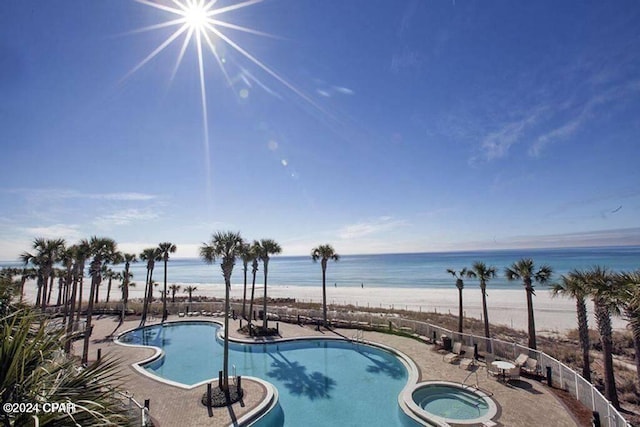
pixel 390 369
pixel 295 378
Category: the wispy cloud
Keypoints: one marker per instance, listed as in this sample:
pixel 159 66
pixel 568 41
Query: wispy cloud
pixel 54 231
pixel 61 194
pixel 497 143
pixel 579 119
pixel 125 217
pixel 366 228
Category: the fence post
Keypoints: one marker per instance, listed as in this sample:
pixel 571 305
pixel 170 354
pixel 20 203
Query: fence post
pixel 561 377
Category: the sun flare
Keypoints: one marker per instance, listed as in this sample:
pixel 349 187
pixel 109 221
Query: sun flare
pixel 195 16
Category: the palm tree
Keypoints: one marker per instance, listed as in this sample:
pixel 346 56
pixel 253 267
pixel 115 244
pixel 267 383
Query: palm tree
pixel 483 273
pixel 151 255
pixel 575 285
pixel 227 245
pixel 26 274
pixel 460 285
pixel 267 247
pixel 102 249
pixel 630 285
pixel 46 254
pixel 31 365
pixel 165 249
pixel 605 293
pixel 174 288
pixel 246 255
pixel 190 290
pixel 79 252
pixel 524 270
pixel 255 255
pixel 127 259
pixel 324 253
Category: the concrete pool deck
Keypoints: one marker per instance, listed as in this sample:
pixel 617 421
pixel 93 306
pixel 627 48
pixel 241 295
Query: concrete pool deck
pixel 526 403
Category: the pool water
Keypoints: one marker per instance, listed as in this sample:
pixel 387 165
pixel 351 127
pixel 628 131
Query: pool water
pixel 320 382
pixel 450 402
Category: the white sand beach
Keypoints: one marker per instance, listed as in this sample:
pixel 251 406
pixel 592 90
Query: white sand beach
pixel 506 307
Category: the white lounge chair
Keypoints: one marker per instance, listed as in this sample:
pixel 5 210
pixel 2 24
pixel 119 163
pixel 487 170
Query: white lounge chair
pixel 469 358
pixel 454 356
pixel 521 360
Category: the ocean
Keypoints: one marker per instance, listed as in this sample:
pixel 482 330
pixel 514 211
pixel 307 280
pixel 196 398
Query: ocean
pixel 413 270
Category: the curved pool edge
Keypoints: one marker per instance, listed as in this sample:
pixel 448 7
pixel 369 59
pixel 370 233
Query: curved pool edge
pixel 412 370
pixel 435 420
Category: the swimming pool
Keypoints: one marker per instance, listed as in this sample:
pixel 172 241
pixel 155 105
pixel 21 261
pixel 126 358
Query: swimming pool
pixel 449 402
pixel 319 381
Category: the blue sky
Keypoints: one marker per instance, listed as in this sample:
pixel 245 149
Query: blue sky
pixel 373 125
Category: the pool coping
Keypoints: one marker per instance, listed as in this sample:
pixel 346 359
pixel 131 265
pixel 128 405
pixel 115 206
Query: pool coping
pixel 407 396
pixel 270 401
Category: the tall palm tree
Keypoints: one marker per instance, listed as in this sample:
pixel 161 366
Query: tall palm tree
pixel 165 249
pixel 49 250
pixel 190 290
pixel 458 275
pixel 483 273
pixel 246 256
pixel 26 274
pixel 228 246
pixel 128 259
pixel 83 253
pixel 150 255
pixel 174 288
pixel 524 270
pixel 605 293
pixel 630 286
pixel 324 253
pixel 575 285
pixel 79 252
pixel 102 249
pixel 255 255
pixel 267 247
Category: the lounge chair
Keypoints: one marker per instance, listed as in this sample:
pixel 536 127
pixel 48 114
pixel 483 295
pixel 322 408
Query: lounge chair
pixel 469 358
pixel 521 360
pixel 531 367
pixel 181 314
pixel 513 374
pixel 454 356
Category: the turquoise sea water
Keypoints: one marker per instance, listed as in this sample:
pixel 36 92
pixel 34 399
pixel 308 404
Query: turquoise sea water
pixel 320 382
pixel 422 270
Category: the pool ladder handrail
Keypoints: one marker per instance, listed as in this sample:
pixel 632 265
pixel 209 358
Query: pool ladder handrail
pixel 476 385
pixel 358 336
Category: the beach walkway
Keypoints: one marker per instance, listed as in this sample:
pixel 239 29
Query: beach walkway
pixel 525 403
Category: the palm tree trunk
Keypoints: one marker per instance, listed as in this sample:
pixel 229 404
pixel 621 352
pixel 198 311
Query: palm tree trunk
pixel 460 310
pixel 244 293
pixel 583 333
pixel 74 290
pixel 264 303
pixel 95 280
pixel 324 292
pixel 23 280
pixel 253 292
pixel 485 315
pixel 109 288
pixel 225 360
pixel 52 279
pixel 164 293
pixel 147 298
pixel 59 299
pixel 603 317
pixel 531 319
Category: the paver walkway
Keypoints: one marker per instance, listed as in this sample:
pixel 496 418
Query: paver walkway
pixel 524 404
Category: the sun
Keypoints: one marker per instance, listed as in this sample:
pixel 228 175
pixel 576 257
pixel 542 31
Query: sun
pixel 195 16
pixel 201 23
